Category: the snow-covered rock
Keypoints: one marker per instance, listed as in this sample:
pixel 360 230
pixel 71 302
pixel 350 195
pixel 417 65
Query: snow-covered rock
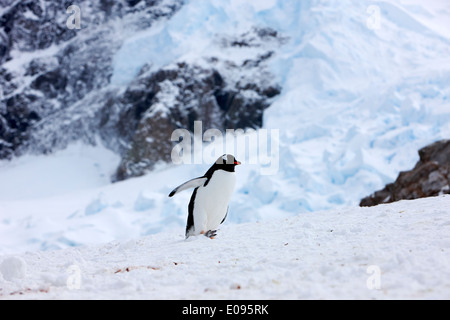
pixel 123 78
pixel 429 178
pixel 155 104
pixel 13 268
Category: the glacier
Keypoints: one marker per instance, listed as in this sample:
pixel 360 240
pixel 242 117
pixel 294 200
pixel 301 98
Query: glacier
pixel 357 102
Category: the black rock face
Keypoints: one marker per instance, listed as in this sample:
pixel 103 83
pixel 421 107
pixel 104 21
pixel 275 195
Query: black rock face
pixel 156 104
pixel 429 178
pixel 56 82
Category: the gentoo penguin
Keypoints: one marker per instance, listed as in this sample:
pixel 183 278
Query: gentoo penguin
pixel 208 207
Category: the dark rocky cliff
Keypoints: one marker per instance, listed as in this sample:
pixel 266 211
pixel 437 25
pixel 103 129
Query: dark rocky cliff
pixel 430 177
pixel 56 82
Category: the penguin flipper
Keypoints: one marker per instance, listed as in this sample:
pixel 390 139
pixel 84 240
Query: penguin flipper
pixel 194 183
pixel 190 228
pixel 226 215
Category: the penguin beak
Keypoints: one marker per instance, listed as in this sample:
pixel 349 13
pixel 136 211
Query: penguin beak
pixel 238 163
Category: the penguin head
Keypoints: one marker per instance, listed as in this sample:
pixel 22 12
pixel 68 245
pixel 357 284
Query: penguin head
pixel 227 159
pixel 226 162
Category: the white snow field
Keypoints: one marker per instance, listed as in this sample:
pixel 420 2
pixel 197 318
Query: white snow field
pixel 395 251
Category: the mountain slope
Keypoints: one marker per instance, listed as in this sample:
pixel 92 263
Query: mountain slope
pixel 121 78
pixel 358 102
pixel 353 101
pixel 395 251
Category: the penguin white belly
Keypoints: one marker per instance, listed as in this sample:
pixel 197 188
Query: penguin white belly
pixel 211 203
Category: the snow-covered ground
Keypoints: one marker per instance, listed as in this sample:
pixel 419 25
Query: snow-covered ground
pixel 395 251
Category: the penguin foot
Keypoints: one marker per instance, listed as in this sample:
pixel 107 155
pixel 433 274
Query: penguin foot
pixel 211 234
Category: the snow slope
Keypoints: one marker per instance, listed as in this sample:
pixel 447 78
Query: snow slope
pixel 395 251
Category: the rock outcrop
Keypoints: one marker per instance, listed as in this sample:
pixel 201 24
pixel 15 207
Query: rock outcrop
pixel 430 177
pixel 56 83
pixel 46 68
pixel 156 104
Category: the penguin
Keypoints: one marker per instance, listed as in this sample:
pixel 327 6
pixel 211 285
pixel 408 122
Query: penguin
pixel 208 207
